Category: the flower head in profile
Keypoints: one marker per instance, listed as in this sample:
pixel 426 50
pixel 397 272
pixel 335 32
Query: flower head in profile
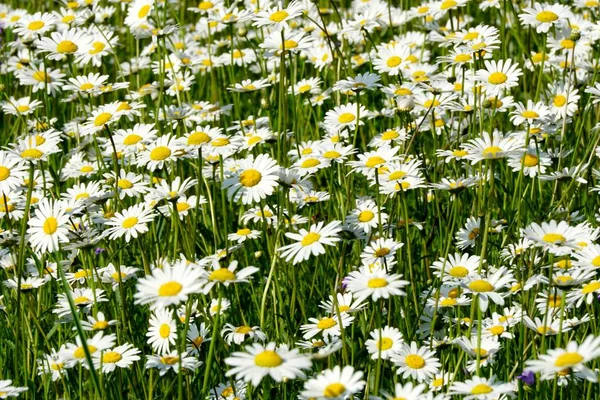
pixel 259 361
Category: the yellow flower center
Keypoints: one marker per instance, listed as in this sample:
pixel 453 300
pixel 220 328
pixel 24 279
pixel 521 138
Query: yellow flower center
pixel 164 331
pixel 394 176
pixel 100 325
pixel 220 142
pixel 41 76
pixel 125 184
pixel 243 329
pixel 374 161
pixel 50 225
pixel 81 300
pixel 80 352
pixel 414 361
pixel 334 390
pixel 304 88
pixel 382 252
pixel 568 359
pixel 393 61
pixel 250 178
pixel 310 163
pixel 144 11
pixel 243 232
pixel 331 154
pixel 268 359
pixel 481 286
pixel 290 44
pixel 111 357
pixel 160 153
pixel 279 16
pixel 384 344
pixel 310 238
pixel 97 47
pixel 35 25
pixel 4 173
pixel 497 78
pixel 366 216
pixel 554 238
pixel 462 57
pixel 590 287
pixel 129 222
pixel 169 360
pixel 389 135
pixel 492 151
pixel 102 119
pixel 546 16
pixel 375 283
pixel 66 47
pixel 446 4
pixel 529 114
pixel 458 272
pixel 325 323
pixel 448 302
pixel 168 289
pixel 23 108
pixel 559 100
pixel 481 388
pixel 221 275
pixel 346 118
pixel 497 330
pixel 530 160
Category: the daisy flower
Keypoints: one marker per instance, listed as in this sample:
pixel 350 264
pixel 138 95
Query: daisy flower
pixel 489 147
pixel 162 332
pixel 544 16
pixel 22 106
pixel 572 358
pixel 259 361
pixel 121 356
pixel 238 334
pixel 530 113
pixel 326 326
pixel 310 242
pixel 407 391
pixel 499 76
pixel 134 139
pixel 391 58
pixel 12 172
pixel 456 267
pixel 481 388
pixel 559 238
pixel 172 361
pixel 130 223
pixel 196 336
pixel 138 13
pixel 345 304
pixel 486 286
pixel 8 390
pixel 168 285
pixel 226 276
pixel 62 44
pixel 158 153
pixel 416 362
pixel 384 343
pixel 254 180
pixel 30 26
pixel 48 227
pixel 243 234
pixel 337 383
pixel 346 116
pixel 375 284
pixel 278 17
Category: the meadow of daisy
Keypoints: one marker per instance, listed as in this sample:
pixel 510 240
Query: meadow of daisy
pixel 251 199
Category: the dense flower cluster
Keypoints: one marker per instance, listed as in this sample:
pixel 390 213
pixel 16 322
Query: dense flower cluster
pixel 303 199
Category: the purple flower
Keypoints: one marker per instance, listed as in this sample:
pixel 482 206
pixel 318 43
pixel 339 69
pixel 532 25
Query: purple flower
pixel 528 377
pixel 99 250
